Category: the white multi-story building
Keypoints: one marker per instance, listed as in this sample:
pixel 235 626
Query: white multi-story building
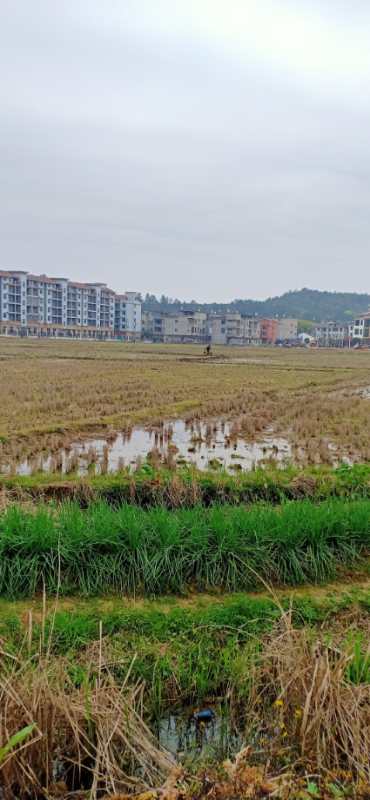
pixel 105 301
pixel 359 330
pixel 56 301
pixel 36 305
pixel 128 315
pixel 13 297
pixel 35 300
pixel 331 334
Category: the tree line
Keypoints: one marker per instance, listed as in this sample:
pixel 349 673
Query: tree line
pixel 309 304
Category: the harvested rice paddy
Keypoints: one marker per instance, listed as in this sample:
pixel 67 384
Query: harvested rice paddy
pixel 59 400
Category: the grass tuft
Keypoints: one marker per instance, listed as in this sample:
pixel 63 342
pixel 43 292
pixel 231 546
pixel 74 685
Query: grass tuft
pixel 130 551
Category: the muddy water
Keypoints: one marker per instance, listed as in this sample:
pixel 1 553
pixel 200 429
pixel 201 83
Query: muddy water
pixel 179 734
pixel 204 445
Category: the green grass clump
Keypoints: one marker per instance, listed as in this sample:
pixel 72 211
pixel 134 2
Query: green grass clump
pixel 358 669
pixel 133 551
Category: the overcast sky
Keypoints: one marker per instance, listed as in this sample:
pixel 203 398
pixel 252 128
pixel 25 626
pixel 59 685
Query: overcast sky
pixel 200 148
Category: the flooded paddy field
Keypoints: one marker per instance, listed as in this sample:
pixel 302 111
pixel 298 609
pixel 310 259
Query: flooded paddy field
pixel 211 445
pixel 205 445
pixel 98 407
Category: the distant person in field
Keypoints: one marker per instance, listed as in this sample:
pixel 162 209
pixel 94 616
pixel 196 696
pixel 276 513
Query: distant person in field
pixel 208 350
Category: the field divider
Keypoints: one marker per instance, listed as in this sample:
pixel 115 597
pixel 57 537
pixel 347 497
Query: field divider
pixel 131 551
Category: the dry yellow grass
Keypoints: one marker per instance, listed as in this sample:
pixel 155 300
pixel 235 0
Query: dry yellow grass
pixel 317 708
pixel 52 390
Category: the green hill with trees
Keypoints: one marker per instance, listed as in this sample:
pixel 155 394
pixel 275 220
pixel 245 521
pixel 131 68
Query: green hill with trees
pixel 305 304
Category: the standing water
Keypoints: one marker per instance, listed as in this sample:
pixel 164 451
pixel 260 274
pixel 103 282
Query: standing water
pixel 202 444
pixel 186 738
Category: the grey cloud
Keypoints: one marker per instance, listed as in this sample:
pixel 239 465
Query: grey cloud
pixel 164 163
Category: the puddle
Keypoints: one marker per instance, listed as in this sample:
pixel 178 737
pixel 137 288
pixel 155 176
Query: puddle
pixel 204 445
pixel 184 738
pixel 178 734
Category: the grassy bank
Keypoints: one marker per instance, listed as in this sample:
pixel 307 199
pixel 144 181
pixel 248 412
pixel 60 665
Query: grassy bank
pixel 184 653
pixel 133 551
pixel 82 681
pixel 148 487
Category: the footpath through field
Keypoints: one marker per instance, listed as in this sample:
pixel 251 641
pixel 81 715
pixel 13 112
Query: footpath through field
pixel 355 586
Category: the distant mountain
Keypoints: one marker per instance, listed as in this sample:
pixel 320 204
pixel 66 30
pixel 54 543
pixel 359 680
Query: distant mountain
pixel 309 304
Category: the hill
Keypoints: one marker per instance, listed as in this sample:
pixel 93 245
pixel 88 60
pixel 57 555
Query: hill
pixel 305 303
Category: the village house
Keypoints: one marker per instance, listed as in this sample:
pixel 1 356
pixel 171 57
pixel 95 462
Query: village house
pixel 359 330
pixel 331 334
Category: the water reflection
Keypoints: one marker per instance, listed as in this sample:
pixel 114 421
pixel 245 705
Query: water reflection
pixel 184 738
pixel 205 445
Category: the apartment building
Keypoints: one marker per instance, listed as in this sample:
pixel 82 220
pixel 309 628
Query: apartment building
pixel 128 316
pixel 331 334
pixel 36 305
pixel 13 297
